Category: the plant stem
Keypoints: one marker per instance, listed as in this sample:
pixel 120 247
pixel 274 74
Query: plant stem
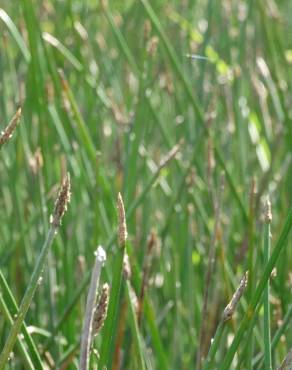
pixel 90 308
pixel 267 330
pixel 214 346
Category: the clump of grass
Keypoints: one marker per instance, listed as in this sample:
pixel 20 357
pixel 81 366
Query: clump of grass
pixel 56 218
pixel 106 89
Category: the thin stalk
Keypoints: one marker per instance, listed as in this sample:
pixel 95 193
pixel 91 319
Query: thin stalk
pixel 251 244
pixel 60 208
pixel 25 356
pixel 209 273
pixel 209 363
pixel 267 325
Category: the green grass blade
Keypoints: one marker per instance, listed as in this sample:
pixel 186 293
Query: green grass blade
pixel 267 324
pixel 13 310
pixel 15 34
pixel 25 356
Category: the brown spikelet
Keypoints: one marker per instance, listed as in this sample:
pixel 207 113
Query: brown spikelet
pixel 101 310
pixel 170 155
pixel 62 201
pixel 8 132
pixel 230 308
pixel 122 227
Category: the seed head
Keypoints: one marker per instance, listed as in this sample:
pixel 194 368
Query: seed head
pixel 170 155
pixel 62 201
pixel 7 133
pixel 230 308
pixel 101 310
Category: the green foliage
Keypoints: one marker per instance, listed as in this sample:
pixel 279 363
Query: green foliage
pixel 107 91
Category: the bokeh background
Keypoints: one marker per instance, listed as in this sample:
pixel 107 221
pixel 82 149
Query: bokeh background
pixel 107 89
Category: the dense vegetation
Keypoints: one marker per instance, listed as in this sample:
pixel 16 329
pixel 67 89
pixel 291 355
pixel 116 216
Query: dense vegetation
pixel 184 107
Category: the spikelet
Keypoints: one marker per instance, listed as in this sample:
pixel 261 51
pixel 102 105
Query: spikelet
pixel 101 310
pixel 8 132
pixel 230 308
pixel 61 203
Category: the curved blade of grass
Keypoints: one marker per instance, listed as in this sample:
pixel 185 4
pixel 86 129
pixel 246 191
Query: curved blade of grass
pixel 53 41
pixel 15 34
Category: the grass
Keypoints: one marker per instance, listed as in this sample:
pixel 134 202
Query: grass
pixel 108 94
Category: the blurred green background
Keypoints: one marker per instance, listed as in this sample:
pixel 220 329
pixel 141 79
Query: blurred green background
pixel 107 89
